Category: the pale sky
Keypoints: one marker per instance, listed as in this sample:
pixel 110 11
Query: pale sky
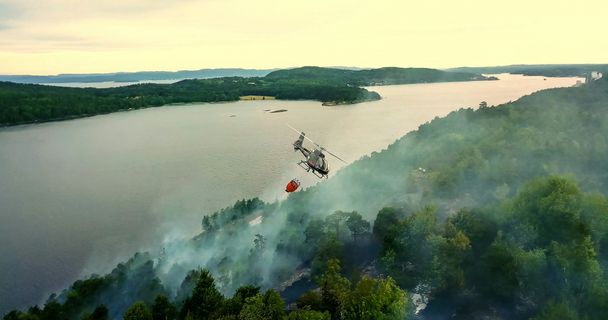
pixel 84 36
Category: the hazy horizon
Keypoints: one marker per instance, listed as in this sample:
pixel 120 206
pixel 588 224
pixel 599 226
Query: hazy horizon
pixel 293 67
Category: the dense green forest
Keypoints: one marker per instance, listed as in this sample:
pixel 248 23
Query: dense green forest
pixel 199 298
pixel 494 213
pixel 370 77
pixel 28 103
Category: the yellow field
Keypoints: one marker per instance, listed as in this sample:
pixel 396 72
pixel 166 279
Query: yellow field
pixel 256 98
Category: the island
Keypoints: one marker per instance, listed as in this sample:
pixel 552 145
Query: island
pixel 32 103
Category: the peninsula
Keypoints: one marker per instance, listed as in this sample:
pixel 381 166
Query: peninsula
pixel 33 103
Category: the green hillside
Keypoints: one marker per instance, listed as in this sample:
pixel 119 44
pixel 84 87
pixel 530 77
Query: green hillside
pixel 370 77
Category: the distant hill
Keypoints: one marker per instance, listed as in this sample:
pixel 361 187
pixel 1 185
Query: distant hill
pixel 138 76
pixel 547 70
pixel 370 77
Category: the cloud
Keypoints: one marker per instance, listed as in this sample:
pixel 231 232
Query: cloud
pixel 47 26
pixel 35 10
pixel 128 35
pixel 9 10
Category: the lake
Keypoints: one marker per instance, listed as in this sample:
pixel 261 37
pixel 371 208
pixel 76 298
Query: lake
pixel 78 196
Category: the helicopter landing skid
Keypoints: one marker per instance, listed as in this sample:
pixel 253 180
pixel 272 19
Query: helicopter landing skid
pixel 306 167
pixel 319 175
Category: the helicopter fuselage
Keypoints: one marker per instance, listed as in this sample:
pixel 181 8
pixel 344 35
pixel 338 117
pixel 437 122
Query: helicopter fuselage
pixel 314 160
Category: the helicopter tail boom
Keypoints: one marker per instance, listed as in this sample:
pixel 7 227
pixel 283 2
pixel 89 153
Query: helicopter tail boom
pixel 298 143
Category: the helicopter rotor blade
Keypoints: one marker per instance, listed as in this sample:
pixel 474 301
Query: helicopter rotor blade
pixel 335 156
pixel 305 137
pixel 292 128
pixel 316 144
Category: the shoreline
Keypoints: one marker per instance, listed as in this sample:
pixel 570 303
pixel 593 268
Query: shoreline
pixel 75 117
pixel 490 77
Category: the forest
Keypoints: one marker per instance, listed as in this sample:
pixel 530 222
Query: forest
pixel 371 77
pixel 31 103
pixel 497 212
pixel 27 103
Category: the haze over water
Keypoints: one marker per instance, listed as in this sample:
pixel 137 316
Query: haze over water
pixel 78 196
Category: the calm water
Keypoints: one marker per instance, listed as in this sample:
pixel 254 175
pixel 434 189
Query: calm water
pixel 107 84
pixel 78 196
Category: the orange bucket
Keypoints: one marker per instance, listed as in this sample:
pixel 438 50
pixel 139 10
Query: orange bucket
pixel 292 186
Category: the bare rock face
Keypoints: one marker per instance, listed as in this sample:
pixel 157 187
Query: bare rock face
pixel 297 276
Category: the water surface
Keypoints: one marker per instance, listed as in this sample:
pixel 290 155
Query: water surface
pixel 77 196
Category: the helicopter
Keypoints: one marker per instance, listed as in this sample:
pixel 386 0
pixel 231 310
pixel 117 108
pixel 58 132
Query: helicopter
pixel 315 158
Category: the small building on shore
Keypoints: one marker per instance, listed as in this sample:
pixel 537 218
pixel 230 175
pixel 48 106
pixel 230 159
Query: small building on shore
pixel 592 76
